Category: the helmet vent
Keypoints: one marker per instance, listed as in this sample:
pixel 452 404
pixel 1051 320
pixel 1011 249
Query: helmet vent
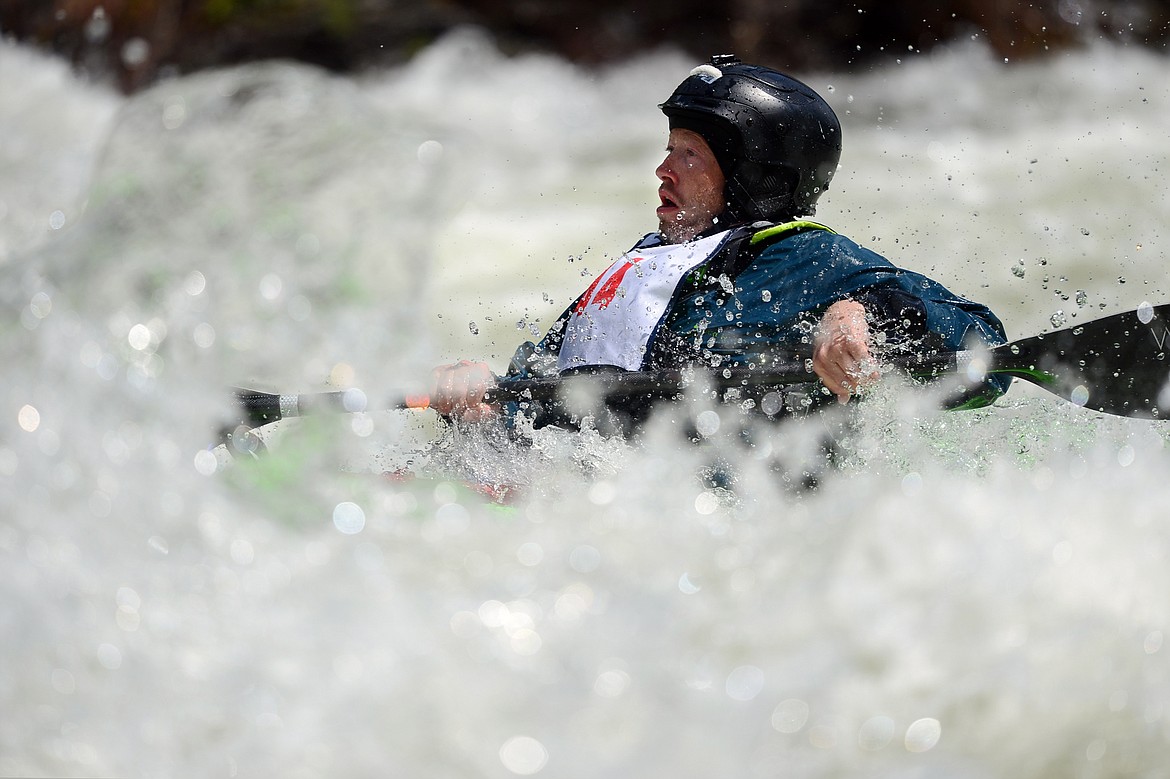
pixel 725 60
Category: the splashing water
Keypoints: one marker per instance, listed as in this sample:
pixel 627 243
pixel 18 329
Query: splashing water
pixel 967 594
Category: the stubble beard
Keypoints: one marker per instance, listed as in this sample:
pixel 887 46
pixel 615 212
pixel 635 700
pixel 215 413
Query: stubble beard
pixel 684 227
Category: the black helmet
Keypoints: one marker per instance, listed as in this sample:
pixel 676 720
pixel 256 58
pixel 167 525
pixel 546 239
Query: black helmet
pixel 777 141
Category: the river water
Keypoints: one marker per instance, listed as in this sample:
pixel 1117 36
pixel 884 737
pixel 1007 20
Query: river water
pixel 976 594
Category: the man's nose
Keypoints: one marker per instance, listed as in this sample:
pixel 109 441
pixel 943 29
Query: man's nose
pixel 665 171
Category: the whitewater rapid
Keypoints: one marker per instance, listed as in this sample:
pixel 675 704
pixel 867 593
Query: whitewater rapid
pixel 976 594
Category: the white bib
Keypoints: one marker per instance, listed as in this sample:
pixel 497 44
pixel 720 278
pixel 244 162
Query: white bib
pixel 613 322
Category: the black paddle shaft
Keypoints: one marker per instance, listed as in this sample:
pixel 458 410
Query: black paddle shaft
pixel 1116 365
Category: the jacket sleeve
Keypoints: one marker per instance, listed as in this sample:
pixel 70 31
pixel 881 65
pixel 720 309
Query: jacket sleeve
pixel 911 324
pixel 779 298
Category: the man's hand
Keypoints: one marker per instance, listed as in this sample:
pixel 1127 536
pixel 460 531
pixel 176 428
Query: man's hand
pixel 458 390
pixel 841 350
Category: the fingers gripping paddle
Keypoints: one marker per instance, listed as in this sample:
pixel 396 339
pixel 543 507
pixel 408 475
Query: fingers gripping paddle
pixel 1116 365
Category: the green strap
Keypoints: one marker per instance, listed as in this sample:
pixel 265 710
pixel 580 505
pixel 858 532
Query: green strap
pixel 788 227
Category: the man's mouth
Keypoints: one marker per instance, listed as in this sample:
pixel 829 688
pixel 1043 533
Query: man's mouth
pixel 668 202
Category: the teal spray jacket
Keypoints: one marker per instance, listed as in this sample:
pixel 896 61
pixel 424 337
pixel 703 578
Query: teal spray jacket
pixel 758 300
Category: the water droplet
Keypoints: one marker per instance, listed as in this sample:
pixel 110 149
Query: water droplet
pixel 584 559
pixel 204 335
pixel 744 683
pixel 174 114
pixel 876 733
pixel 353 400
pixel 109 656
pixel 271 286
pixel 195 283
pixel 523 755
pixel 685 585
pixel 1058 319
pixel 135 52
pixel 29 418
pixel 530 554
pixel 41 305
pixel 1018 269
pixel 473 327
pixel 923 735
pixel 98 26
pixel 349 518
pixel 1082 298
pixel 790 715
pixel 772 403
pixel 139 337
pixel 430 152
pixel 611 683
pixel 206 462
pixel 63 681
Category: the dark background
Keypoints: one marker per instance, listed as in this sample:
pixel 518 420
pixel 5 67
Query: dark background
pixel 134 42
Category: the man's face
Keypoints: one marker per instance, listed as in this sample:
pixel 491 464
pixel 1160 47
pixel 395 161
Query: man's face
pixel 692 187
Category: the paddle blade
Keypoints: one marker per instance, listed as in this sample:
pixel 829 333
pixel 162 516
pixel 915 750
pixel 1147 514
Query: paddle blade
pixel 1117 364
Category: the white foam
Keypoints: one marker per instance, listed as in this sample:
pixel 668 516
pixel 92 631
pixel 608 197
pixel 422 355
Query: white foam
pixel 969 595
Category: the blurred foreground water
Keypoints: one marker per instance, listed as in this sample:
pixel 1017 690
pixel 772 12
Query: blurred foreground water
pixel 977 594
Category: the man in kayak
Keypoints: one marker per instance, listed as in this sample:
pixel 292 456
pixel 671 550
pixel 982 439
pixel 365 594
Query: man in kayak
pixel 734 277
